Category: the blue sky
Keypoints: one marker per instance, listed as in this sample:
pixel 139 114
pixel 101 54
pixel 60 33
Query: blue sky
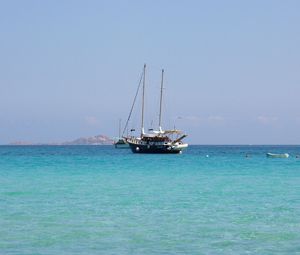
pixel 70 68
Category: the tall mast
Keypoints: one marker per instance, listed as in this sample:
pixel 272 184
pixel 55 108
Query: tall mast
pixel 143 101
pixel 161 97
pixel 120 128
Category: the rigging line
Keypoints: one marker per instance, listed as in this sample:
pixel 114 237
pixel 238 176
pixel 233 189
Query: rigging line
pixel 134 100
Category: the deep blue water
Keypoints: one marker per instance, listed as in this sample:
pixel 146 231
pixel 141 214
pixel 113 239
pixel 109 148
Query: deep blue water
pixel 100 200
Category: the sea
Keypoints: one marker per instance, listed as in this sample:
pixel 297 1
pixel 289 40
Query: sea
pixel 102 200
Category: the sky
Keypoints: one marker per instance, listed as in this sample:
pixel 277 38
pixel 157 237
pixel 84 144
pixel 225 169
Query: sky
pixel 70 69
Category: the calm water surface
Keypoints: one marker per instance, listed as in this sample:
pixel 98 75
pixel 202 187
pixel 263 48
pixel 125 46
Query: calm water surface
pixel 99 200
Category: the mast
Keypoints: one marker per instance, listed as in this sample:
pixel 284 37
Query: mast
pixel 161 97
pixel 134 100
pixel 143 102
pixel 120 128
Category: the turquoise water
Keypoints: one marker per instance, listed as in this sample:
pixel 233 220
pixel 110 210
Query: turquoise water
pixel 99 200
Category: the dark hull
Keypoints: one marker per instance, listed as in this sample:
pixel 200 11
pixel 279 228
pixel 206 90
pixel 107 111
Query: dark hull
pixel 158 149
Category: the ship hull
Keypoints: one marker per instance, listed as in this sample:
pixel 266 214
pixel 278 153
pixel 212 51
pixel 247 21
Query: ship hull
pixel 154 149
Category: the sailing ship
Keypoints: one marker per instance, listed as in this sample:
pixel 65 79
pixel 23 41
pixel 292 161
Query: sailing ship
pixel 156 141
pixel 121 141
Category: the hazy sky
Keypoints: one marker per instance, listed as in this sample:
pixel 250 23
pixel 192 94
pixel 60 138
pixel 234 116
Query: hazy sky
pixel 71 68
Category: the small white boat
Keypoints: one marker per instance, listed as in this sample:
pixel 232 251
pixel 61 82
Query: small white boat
pixel 273 155
pixel 121 143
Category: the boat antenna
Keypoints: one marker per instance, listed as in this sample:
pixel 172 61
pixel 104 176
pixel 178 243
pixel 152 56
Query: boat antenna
pixel 134 100
pixel 143 102
pixel 161 98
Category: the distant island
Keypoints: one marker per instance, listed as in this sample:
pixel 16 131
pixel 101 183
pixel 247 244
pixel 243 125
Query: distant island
pixel 93 140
